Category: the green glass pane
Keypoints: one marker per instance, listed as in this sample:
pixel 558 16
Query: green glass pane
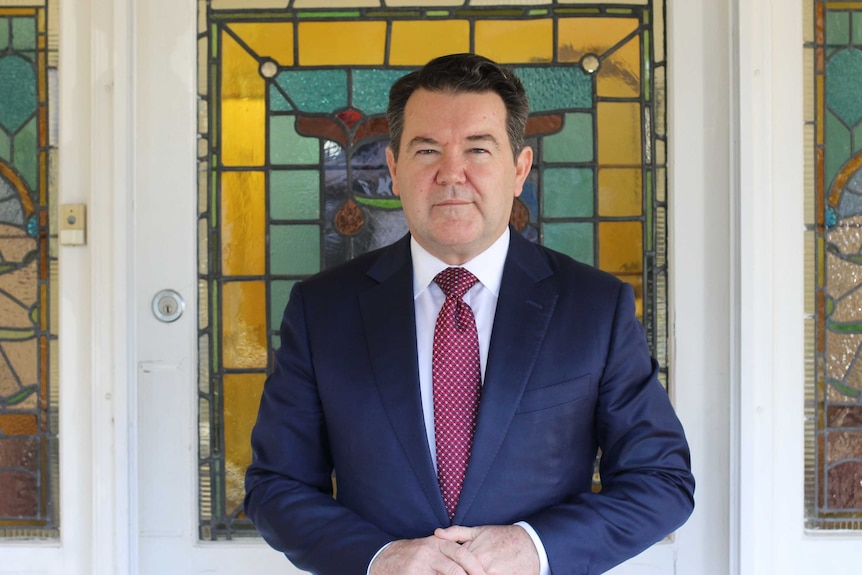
pixel 4 146
pixel 844 84
pixel 556 88
pixel 17 92
pixel 294 195
pixel 288 147
pixel 371 89
pixel 837 147
pixel 837 28
pixel 857 28
pixel 574 143
pixel 857 139
pixel 4 33
pixel 294 250
pixel 315 90
pixel 567 192
pixel 26 153
pixel 23 33
pixel 574 239
pixel 279 294
pixel 277 101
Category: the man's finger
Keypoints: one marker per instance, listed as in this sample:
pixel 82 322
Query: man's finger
pixel 457 533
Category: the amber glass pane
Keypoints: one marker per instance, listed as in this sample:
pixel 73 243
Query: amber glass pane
pixel 340 43
pixel 620 192
pixel 619 133
pixel 243 223
pixel 243 108
pixel 621 247
pixel 515 41
pixel 241 398
pixel 29 373
pixel 416 42
pixel 244 318
pixel 579 36
pixel 268 39
pixel 620 74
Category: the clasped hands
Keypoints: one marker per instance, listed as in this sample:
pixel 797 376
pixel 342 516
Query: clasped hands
pixel 457 550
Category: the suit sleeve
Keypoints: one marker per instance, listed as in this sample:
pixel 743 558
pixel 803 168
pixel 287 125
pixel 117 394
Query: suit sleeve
pixel 647 486
pixel 289 482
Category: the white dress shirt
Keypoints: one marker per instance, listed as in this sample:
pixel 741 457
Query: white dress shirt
pixel 428 298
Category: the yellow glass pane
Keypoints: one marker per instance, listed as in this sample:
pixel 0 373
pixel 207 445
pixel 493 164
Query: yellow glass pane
pixel 243 221
pixel 241 399
pixel 243 107
pixel 244 342
pixel 414 43
pixel 268 39
pixel 621 247
pixel 620 192
pixel 515 42
pixel 620 73
pixel 619 133
pixel 342 43
pixel 579 36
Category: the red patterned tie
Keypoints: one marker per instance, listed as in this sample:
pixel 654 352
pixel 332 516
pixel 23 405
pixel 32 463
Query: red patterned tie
pixel 456 377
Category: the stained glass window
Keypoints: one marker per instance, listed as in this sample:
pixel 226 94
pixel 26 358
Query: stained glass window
pixel 28 271
pixel 293 177
pixel 833 131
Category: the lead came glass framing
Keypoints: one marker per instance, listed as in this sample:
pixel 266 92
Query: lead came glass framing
pixel 29 458
pixel 293 177
pixel 833 133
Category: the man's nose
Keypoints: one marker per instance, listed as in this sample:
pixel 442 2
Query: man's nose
pixel 451 170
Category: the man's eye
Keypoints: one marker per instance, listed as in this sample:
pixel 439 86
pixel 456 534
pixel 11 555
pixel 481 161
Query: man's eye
pixel 479 151
pixel 425 152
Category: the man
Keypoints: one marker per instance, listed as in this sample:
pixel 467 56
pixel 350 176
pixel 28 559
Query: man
pixel 462 427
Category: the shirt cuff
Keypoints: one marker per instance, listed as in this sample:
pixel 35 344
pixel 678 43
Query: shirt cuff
pixel 368 571
pixel 544 568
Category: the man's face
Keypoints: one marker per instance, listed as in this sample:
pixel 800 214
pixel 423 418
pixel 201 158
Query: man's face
pixel 455 173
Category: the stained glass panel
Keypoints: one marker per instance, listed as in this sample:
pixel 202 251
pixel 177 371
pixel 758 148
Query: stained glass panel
pixel 29 457
pixel 833 174
pixel 294 178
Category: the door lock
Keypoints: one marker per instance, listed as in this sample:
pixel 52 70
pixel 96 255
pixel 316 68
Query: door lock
pixel 168 305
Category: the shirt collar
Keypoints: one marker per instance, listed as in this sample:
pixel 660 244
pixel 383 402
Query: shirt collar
pixel 487 266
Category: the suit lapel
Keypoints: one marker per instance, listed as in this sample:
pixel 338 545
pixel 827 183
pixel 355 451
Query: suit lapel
pixel 524 308
pixel 390 328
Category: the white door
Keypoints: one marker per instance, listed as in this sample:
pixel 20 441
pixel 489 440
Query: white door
pixel 163 434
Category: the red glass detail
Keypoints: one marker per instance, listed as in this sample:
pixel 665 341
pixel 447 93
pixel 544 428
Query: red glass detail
pixel 350 117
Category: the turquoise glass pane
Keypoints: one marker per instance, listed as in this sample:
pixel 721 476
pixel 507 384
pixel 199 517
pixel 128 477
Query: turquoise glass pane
pixel 4 33
pixel 315 90
pixel 23 34
pixel 288 147
pixel 279 294
pixel 294 194
pixel 557 88
pixel 277 101
pixel 4 147
pixel 574 143
pixel 837 147
pixel 17 92
pixel 857 139
pixel 26 153
pixel 837 28
pixel 844 84
pixel 294 250
pixel 857 28
pixel 567 192
pixel 574 239
pixel 371 89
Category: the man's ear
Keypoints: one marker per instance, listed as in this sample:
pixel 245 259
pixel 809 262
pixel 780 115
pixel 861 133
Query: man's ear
pixel 522 168
pixel 393 167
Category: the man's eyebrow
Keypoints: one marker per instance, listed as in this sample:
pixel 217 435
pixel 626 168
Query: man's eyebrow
pixel 420 140
pixel 484 138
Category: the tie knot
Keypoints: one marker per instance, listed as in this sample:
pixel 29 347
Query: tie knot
pixel 455 282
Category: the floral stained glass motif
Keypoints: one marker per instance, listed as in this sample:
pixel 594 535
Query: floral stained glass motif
pixel 28 274
pixel 293 178
pixel 833 115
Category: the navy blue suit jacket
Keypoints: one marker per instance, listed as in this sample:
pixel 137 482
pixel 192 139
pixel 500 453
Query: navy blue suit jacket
pixel 568 372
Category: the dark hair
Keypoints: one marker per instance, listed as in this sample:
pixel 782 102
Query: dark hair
pixel 457 73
